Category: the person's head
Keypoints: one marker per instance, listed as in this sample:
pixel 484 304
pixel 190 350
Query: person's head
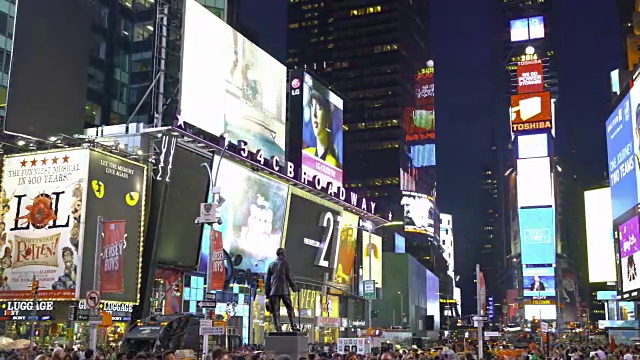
pixel 58 353
pixel 220 354
pixel 320 116
pixel 351 356
pixel 536 278
pixel 280 252
pixel 88 354
pixel 387 356
pixel 169 355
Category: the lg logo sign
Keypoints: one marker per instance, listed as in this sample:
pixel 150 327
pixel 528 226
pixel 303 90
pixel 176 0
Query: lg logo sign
pixel 295 86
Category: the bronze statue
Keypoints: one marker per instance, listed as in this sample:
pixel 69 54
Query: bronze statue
pixel 277 288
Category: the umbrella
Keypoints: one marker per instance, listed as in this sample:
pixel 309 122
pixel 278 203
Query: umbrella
pixel 21 344
pixel 5 342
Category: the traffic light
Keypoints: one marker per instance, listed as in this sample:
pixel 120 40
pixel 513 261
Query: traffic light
pixel 107 319
pixel 35 285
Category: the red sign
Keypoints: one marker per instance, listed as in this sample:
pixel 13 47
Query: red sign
pixel 217 271
pixel 530 77
pixel 112 262
pixel 425 90
pixel 531 112
pixel 420 123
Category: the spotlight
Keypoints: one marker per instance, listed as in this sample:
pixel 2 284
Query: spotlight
pixel 21 142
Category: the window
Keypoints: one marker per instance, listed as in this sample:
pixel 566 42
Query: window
pixel 127 3
pixel 92 113
pixel 98 47
pixel 126 27
pixel 142 31
pixel 100 16
pixel 141 5
pixel 95 79
pixel 7 61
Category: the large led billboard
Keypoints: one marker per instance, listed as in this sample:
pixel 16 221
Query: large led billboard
pixel 533 146
pixel 538 236
pixel 420 123
pixel 622 145
pixel 252 214
pixel 420 214
pixel 537 312
pixel 530 77
pixel 312 231
pixel 322 118
pixel 536 27
pixel 423 155
pixel 372 253
pixel 534 184
pixel 425 87
pixel 229 85
pixel 527 28
pixel 629 248
pixel 531 112
pixel 345 262
pixel 600 245
pixel 539 282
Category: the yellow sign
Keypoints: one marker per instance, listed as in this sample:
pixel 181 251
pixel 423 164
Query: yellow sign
pixel 69 335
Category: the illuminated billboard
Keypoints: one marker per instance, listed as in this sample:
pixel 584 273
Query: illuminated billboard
pixel 229 85
pixel 527 29
pixel 629 248
pixel 530 77
pixel 420 214
pixel 600 245
pixel 623 161
pixel 420 123
pixel 423 155
pixel 322 118
pixel 345 263
pixel 538 236
pixel 534 184
pixel 530 112
pixel 425 88
pixel 537 312
pixel 539 282
pixel 533 146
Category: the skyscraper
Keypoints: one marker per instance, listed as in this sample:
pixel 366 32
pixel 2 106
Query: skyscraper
pixel 629 13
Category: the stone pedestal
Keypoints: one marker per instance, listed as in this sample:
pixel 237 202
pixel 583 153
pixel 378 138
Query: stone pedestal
pixel 293 344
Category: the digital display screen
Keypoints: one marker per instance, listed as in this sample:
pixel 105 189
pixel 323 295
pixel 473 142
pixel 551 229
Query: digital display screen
pixel 530 77
pixel 536 27
pixel 420 214
pixel 533 146
pixel 372 254
pixel 622 145
pixel 538 236
pixel 400 244
pixel 322 119
pixel 423 155
pixel 629 247
pixel 252 214
pixel 539 282
pixel 606 295
pixel 519 30
pixel 544 312
pixel 345 268
pixel 600 244
pixel 229 85
pixel 534 184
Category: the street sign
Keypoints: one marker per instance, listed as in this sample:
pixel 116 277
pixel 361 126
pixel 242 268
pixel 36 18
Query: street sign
pixel 206 323
pixel 93 299
pixel 206 304
pixel 544 327
pixel 210 296
pixel 369 289
pixel 212 330
pixel 480 318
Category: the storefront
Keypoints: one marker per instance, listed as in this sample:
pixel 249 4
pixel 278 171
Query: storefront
pixel 47 320
pixel 107 336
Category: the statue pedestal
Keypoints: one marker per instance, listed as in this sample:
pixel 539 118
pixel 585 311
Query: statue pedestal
pixel 293 344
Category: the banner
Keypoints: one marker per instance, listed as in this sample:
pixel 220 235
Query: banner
pixel 346 255
pixel 217 270
pixel 43 201
pixel 112 262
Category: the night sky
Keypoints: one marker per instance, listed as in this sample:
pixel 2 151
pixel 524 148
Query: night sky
pixel 471 104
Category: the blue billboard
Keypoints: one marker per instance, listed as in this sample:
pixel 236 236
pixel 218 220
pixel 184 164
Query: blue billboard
pixel 538 236
pixel 623 163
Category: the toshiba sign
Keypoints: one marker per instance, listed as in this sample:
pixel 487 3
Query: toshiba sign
pixel 531 112
pixel 530 77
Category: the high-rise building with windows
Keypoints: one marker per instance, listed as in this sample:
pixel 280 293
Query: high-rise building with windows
pixel 7 18
pixel 629 13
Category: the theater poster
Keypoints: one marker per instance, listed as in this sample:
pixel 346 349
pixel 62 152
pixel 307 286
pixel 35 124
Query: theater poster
pixel 114 245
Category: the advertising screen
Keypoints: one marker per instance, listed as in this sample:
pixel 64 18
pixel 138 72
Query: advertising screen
pixel 117 194
pixel 629 248
pixel 42 196
pixel 400 244
pixel 530 77
pixel 531 112
pixel 533 145
pixel 622 145
pixel 533 182
pixel 538 236
pixel 322 119
pixel 345 268
pixel 420 123
pixel 425 89
pixel 536 27
pixel 311 235
pixel 600 245
pixel 605 295
pixel 544 312
pixel 539 282
pixel 423 155
pixel 372 253
pixel 519 29
pixel 253 215
pixel 229 85
pixel 420 213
